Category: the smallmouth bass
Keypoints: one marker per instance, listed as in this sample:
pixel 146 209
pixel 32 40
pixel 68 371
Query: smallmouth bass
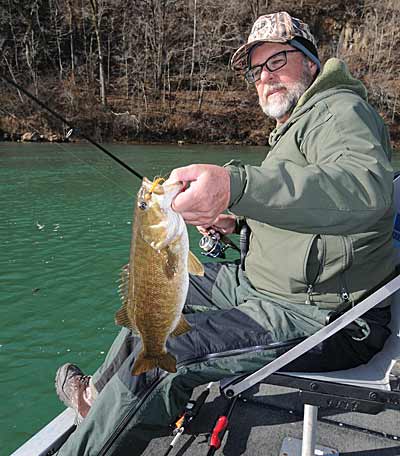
pixel 156 280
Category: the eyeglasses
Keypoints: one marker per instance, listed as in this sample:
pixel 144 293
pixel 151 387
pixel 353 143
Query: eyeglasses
pixel 273 63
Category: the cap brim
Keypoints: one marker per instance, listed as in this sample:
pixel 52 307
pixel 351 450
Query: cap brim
pixel 239 59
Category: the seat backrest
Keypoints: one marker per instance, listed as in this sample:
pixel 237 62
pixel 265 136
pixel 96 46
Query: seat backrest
pixel 396 228
pixel 394 343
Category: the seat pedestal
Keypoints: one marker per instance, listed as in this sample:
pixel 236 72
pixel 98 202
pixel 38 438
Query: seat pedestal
pixel 307 446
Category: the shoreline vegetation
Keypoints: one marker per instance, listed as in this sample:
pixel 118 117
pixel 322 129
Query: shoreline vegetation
pixel 157 71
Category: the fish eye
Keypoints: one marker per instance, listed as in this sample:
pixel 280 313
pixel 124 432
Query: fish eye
pixel 143 205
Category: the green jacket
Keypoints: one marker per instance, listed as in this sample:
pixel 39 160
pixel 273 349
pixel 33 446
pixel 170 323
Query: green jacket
pixel 320 206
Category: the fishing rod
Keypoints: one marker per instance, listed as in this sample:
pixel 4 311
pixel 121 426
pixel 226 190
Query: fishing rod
pixel 211 246
pixel 72 128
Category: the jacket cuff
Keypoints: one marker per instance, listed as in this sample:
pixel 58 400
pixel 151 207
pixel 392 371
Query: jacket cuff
pixel 238 180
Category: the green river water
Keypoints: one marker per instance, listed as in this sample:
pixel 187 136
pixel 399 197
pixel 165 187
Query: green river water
pixel 65 229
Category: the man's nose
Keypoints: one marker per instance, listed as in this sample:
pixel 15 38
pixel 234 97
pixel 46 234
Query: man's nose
pixel 266 75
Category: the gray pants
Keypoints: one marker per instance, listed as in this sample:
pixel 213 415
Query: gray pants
pixel 235 330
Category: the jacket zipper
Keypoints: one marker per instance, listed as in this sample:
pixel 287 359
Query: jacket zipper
pixel 344 292
pixel 309 292
pixel 240 351
pixel 131 413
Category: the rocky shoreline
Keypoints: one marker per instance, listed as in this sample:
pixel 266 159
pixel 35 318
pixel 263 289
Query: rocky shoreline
pixel 229 118
pixel 32 137
pixel 194 134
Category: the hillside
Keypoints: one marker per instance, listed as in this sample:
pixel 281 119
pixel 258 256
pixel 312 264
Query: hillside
pixel 157 70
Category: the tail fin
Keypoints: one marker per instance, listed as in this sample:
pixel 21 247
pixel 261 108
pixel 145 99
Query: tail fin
pixel 145 363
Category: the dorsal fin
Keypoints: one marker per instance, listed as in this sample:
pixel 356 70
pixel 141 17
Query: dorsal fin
pixel 124 283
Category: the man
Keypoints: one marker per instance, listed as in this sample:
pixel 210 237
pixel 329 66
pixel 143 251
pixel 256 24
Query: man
pixel 320 212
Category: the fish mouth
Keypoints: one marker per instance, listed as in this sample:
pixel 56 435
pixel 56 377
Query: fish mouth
pixel 167 186
pixel 172 189
pixel 164 193
pixel 179 185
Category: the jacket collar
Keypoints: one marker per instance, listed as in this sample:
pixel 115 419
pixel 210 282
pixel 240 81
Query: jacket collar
pixel 334 77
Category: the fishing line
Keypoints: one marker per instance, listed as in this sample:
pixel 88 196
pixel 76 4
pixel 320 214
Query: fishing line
pixel 69 151
pixel 72 128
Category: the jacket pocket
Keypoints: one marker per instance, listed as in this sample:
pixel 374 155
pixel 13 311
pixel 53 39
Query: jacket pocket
pixel 313 265
pixel 328 259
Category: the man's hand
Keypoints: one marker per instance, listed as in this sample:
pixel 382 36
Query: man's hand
pixel 206 197
pixel 224 224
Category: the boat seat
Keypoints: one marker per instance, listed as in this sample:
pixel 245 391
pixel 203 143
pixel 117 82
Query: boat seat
pixel 376 373
pixel 369 388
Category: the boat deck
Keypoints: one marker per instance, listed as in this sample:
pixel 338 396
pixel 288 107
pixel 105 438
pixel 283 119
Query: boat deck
pixel 260 423
pixel 259 426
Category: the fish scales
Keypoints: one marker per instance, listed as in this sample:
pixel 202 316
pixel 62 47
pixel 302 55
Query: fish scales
pixel 156 287
pixel 158 276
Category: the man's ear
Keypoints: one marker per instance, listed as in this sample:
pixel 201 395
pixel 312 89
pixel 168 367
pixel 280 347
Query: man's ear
pixel 313 67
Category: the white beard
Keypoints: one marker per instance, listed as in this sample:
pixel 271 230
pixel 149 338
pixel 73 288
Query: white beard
pixel 279 104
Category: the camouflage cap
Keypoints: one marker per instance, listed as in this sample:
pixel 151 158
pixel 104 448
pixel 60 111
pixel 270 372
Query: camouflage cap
pixel 274 28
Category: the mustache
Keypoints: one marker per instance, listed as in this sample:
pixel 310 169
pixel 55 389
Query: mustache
pixel 271 87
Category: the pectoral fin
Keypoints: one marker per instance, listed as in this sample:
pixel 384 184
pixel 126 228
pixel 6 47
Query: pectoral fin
pixel 194 265
pixel 182 328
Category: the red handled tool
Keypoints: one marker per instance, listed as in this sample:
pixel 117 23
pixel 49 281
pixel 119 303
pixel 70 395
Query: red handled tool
pixel 220 428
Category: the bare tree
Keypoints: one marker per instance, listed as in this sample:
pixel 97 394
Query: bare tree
pixel 71 18
pixel 98 7
pixel 193 42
